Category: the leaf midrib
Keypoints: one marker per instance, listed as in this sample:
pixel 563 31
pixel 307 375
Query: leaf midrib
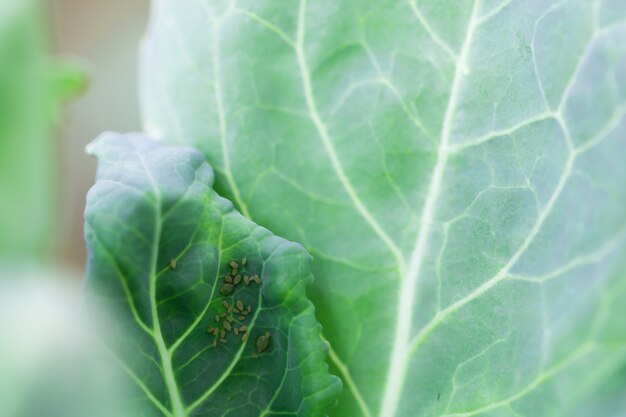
pixel 400 352
pixel 178 409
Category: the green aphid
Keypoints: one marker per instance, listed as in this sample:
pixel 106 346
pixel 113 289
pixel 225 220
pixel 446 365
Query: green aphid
pixel 249 309
pixel 226 289
pixel 243 328
pixel 239 305
pixel 230 309
pixel 242 318
pixel 237 279
pixel 210 329
pixel 173 264
pixel 244 338
pixel 227 326
pixel 244 261
pixel 215 332
pixel 224 314
pixel 236 331
pixel 222 340
pixel 217 318
pixel 257 279
pixel 214 344
pixel 262 342
pixel 228 279
pixel 229 319
pixel 233 265
pixel 246 279
pixel 225 304
pixel 222 334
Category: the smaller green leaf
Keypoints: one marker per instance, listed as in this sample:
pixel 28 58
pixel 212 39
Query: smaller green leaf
pixel 162 247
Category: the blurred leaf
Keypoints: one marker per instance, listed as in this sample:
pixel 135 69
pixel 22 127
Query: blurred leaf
pixel 161 243
pixel 69 79
pixel 51 365
pixel 28 165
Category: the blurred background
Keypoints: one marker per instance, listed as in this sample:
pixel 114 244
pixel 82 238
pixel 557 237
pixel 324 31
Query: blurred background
pixel 104 36
pixel 68 71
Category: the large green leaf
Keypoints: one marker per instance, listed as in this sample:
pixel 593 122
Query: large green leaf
pixel 455 167
pixel 160 244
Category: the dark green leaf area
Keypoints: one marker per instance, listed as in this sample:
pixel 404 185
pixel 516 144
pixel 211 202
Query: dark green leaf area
pixel 210 311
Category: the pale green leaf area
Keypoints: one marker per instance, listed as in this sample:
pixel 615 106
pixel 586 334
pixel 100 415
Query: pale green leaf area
pixel 456 168
pixel 608 401
pixel 161 242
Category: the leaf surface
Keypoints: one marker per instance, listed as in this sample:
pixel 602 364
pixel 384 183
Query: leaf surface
pixel 454 167
pixel 161 243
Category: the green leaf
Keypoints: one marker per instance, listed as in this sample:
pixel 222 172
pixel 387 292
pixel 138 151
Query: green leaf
pixel 456 168
pixel 160 243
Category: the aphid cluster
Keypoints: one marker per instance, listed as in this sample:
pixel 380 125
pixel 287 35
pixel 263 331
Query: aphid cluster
pixel 232 320
pixel 235 277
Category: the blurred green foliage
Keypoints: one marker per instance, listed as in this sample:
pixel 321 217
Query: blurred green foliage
pixel 31 88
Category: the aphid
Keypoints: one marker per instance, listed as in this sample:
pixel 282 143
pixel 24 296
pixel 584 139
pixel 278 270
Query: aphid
pixel 246 280
pixel 257 279
pixel 227 326
pixel 226 289
pixel 236 331
pixel 210 329
pixel 217 318
pixel 249 309
pixel 239 305
pixel 228 279
pixel 244 261
pixel 173 264
pixel 237 279
pixel 262 342
pixel 224 314
pixel 230 309
pixel 215 332
pixel 244 338
pixel 243 328
pixel 222 340
pixel 214 344
pixel 242 318
pixel 222 334
pixel 233 264
pixel 225 303
pixel 229 319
